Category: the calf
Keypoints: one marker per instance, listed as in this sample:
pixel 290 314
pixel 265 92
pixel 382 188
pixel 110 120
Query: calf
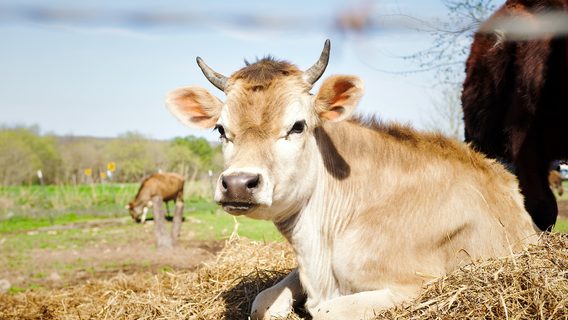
pixel 372 210
pixel 155 189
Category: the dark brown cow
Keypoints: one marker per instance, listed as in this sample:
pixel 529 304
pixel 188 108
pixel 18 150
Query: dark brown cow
pixel 515 96
pixel 154 190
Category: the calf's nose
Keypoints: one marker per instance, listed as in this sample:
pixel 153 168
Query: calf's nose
pixel 240 186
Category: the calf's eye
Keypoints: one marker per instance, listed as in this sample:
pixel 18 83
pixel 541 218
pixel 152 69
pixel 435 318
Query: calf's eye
pixel 221 130
pixel 298 127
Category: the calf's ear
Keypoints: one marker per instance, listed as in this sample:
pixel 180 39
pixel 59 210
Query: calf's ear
pixel 194 106
pixel 338 97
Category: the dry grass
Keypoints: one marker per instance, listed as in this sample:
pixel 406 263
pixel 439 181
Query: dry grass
pixel 529 285
pixel 222 290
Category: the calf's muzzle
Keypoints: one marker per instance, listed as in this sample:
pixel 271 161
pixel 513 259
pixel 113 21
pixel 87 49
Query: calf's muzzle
pixel 238 191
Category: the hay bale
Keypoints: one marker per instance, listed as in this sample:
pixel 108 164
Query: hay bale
pixel 220 290
pixel 225 289
pixel 529 285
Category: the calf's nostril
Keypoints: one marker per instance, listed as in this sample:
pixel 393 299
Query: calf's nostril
pixel 240 185
pixel 253 182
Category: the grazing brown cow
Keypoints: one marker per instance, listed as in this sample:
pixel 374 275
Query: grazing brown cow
pixel 155 190
pixel 515 95
pixel 555 182
pixel 367 224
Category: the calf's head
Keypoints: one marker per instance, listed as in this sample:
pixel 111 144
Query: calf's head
pixel 266 126
pixel 138 212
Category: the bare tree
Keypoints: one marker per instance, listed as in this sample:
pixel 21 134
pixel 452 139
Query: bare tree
pixel 451 39
pixel 447 115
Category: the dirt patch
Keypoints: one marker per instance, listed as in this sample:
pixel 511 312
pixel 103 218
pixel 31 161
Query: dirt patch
pixel 101 250
pixel 106 260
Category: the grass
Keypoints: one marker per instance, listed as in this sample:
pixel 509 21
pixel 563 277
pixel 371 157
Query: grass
pixel 21 233
pixel 220 225
pixel 25 208
pixel 25 223
pixel 49 201
pixel 35 219
pixel 561 226
pixel 22 238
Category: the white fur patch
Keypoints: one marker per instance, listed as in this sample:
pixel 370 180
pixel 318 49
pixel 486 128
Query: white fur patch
pixel 144 213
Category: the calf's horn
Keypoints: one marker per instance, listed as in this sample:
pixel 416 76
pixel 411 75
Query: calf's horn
pixel 314 72
pixel 217 79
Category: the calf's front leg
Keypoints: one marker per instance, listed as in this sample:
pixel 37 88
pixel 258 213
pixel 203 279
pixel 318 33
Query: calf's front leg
pixel 357 306
pixel 280 299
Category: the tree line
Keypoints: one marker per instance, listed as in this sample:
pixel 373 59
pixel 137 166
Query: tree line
pixel 27 157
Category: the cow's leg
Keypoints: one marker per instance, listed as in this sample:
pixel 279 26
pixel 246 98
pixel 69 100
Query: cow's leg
pixel 539 200
pixel 362 305
pixel 144 214
pixel 280 299
pixel 532 172
pixel 178 216
pixel 163 240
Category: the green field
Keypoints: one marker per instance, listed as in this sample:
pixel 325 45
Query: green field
pixel 75 232
pixel 561 226
pixel 25 208
pixel 31 207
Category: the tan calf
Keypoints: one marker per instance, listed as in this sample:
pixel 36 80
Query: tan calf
pixel 372 210
pixel 154 190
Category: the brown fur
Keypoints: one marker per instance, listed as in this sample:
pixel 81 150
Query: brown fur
pixel 260 75
pixel 168 186
pixel 555 181
pixel 426 143
pixel 259 111
pixel 515 102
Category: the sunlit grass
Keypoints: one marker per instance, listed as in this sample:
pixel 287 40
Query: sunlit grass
pixel 94 199
pixel 25 223
pixel 220 225
pixel 561 226
pixel 41 201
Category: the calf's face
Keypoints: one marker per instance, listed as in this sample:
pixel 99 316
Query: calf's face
pixel 138 212
pixel 266 127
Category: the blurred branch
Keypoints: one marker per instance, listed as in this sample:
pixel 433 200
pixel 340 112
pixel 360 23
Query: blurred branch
pixel 452 38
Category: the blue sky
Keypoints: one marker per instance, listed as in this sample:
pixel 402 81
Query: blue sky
pixel 103 68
